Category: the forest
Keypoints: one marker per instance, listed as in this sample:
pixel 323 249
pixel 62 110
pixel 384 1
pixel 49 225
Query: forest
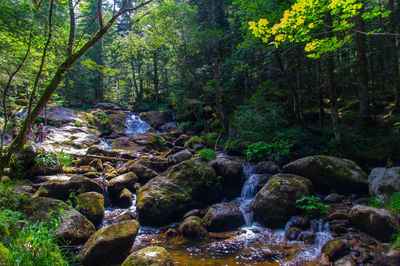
pixel 216 125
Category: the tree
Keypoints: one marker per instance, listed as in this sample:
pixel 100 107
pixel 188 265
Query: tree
pixel 35 107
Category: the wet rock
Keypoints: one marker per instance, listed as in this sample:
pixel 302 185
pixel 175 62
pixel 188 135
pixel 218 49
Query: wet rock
pixel 223 217
pixel 386 256
pixel 292 233
pixel 267 167
pixel 333 198
pixel 92 175
pixel 374 221
pixel 179 157
pixel 275 203
pixel 155 163
pixel 338 216
pixel 125 198
pixel 193 227
pixel 98 164
pixel 110 244
pixel 62 189
pixel 110 172
pixel 119 215
pixel 74 227
pixel 195 212
pixel 383 182
pixel 156 118
pixel 143 143
pixel 149 256
pixel 300 222
pixel 339 226
pixel 91 204
pixel 142 172
pixel 307 237
pixel 345 261
pixel 171 232
pixel 71 137
pixel 331 173
pixel 231 173
pixel 117 184
pixel 94 150
pixel 335 249
pixel 58 115
pixel 85 169
pixel 167 197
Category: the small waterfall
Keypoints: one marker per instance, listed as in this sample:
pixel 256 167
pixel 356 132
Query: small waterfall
pixel 249 190
pixel 134 125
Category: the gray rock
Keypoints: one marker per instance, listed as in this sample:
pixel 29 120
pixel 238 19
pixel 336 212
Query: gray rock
pixel 331 173
pixel 58 115
pixel 275 203
pixel 267 167
pixel 223 217
pixel 383 182
pixel 179 157
pixel 374 221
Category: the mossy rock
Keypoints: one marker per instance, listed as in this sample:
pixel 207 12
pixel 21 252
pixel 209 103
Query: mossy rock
pixel 329 172
pixel 125 198
pixel 117 184
pixel 185 186
pixel 335 249
pixel 110 244
pixel 142 172
pixel 150 256
pixel 91 204
pixel 62 189
pixel 193 227
pixel 379 223
pixel 98 164
pixel 4 255
pixel 275 203
pixel 74 227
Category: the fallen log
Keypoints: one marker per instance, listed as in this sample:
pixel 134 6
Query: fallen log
pixel 103 158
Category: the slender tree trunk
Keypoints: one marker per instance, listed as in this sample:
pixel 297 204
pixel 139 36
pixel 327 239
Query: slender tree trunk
pixel 132 61
pixel 155 73
pixel 320 96
pixel 363 72
pixel 395 56
pixel 289 83
pixel 333 99
pixel 219 99
pixel 140 95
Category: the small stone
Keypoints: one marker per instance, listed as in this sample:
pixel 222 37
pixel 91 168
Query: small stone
pixel 292 233
pixel 335 249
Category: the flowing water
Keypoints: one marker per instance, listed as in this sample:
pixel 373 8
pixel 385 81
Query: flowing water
pixel 250 245
pixel 134 125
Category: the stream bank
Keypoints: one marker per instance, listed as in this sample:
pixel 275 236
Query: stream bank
pixel 157 179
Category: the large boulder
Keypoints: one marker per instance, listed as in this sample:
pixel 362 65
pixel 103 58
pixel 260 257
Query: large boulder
pixel 383 182
pixel 149 256
pixel 110 244
pixel 193 227
pixel 91 204
pixel 267 167
pixel 275 203
pixel 374 221
pixel 71 136
pixel 156 163
pixel 58 115
pixel 231 173
pixel 185 186
pixel 74 227
pixel 61 189
pixel 330 172
pixel 223 217
pixel 156 118
pixel 142 172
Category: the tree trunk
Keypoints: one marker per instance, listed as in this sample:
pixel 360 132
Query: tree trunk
pixel 363 72
pixel 333 99
pixel 132 61
pixel 320 96
pixel 395 57
pixel 155 72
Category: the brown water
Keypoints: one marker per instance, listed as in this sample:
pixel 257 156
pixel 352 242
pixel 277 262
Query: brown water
pixel 247 246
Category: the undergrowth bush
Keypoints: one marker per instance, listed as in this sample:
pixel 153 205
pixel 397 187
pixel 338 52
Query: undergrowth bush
pixel 273 151
pixel 312 206
pixel 207 154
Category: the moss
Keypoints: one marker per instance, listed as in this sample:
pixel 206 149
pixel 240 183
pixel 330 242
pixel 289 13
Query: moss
pixel 335 249
pixel 91 204
pixel 4 255
pixel 193 227
pixel 149 256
